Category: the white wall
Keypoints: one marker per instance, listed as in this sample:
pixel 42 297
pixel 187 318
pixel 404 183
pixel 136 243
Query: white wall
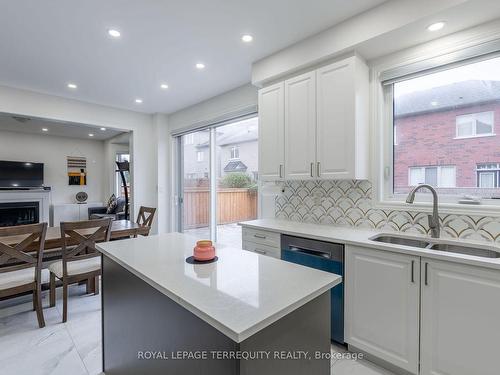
pixel 215 109
pixel 143 145
pixel 52 151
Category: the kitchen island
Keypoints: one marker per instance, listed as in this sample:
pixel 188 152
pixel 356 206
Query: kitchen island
pixel 243 314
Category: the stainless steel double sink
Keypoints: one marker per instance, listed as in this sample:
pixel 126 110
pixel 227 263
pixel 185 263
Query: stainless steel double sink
pixel 439 245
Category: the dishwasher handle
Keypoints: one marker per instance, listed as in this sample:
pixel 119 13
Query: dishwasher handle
pixel 317 253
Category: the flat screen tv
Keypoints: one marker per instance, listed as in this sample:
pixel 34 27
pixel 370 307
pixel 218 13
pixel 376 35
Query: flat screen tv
pixel 20 174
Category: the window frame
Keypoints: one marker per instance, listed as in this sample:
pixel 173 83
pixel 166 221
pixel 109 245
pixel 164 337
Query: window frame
pixel 413 62
pixel 189 139
pixel 474 126
pixel 439 169
pixel 233 151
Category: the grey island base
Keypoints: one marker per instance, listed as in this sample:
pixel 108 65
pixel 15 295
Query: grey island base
pixel 246 314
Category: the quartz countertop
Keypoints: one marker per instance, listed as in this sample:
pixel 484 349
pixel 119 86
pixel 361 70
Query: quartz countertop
pixel 362 237
pixel 240 294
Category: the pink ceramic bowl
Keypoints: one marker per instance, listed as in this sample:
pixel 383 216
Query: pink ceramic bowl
pixel 204 250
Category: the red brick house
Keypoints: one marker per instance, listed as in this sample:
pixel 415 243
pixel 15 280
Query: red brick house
pixel 445 136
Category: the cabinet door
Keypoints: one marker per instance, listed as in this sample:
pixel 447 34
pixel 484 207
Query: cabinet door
pixel 271 133
pixel 300 127
pixel 382 305
pixel 460 331
pixel 336 149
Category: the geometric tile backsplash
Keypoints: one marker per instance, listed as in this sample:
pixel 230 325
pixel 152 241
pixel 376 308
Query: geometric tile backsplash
pixel 349 203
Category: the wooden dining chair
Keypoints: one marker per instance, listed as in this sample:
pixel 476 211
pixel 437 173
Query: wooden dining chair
pixel 80 259
pixel 145 218
pixel 21 265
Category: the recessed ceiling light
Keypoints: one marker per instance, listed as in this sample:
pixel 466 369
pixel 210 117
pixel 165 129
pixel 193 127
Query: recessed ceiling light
pixel 72 86
pixel 103 129
pixel 200 66
pixel 164 86
pixel 45 129
pixel 91 134
pixel 247 38
pixel 114 33
pixel 434 103
pixel 138 101
pixel 436 26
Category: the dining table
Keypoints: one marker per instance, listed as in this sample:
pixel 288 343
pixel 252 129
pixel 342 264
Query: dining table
pixel 53 241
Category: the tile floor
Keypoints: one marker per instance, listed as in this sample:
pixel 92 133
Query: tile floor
pixel 75 347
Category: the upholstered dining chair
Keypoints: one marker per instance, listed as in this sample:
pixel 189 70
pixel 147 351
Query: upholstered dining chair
pixel 21 265
pixel 80 259
pixel 145 218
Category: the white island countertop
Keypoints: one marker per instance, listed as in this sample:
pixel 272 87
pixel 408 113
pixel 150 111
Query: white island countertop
pixel 240 294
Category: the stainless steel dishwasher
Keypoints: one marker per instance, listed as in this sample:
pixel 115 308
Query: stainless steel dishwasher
pixel 325 256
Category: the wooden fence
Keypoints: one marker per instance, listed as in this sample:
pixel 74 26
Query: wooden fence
pixel 233 205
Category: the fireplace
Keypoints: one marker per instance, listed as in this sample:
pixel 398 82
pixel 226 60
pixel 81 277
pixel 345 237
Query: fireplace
pixel 19 213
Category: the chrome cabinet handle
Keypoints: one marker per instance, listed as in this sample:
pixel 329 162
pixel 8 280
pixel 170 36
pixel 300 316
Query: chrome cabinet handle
pixel 281 171
pixel 263 252
pixel 312 169
pixel 412 271
pixel 260 236
pixel 425 278
pixel 318 169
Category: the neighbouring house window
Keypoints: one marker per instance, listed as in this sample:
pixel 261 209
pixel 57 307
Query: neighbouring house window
pixel 488 175
pixel 235 152
pixel 437 176
pixel 199 156
pixel 443 130
pixel 475 125
pixel 189 139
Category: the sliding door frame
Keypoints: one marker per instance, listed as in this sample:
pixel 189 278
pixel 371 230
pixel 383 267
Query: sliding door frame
pixel 179 173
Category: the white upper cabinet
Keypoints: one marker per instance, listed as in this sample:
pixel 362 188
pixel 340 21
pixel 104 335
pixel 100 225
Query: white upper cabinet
pixel 342 120
pixel 271 132
pixel 315 125
pixel 300 127
pixel 460 331
pixel 382 294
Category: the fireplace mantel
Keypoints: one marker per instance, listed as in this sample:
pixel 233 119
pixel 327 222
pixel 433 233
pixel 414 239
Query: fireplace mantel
pixel 34 195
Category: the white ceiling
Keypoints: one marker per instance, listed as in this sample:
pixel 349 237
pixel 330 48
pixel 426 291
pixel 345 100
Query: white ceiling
pixel 61 129
pixel 46 44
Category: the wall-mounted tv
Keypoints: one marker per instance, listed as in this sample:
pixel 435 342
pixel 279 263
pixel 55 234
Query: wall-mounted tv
pixel 20 174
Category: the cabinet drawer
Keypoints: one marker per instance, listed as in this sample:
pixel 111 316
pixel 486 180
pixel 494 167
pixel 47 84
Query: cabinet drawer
pixel 262 237
pixel 262 249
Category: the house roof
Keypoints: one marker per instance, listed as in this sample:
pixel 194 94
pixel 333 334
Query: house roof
pixel 239 132
pixel 458 94
pixel 235 166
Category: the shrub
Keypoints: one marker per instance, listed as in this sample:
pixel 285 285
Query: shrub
pixel 236 180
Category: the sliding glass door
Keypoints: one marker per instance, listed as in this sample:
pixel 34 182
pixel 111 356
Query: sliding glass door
pixel 218 175
pixel 195 166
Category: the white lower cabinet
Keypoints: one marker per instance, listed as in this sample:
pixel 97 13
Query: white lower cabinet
pixel 382 305
pixel 460 331
pixel 261 242
pixel 457 305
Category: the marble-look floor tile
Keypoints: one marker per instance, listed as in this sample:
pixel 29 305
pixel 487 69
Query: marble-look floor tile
pixel 85 330
pixel 55 354
pixel 358 367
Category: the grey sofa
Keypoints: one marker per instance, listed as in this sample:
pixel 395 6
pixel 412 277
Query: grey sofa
pixel 100 212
